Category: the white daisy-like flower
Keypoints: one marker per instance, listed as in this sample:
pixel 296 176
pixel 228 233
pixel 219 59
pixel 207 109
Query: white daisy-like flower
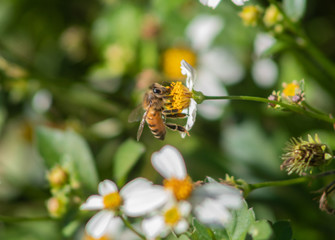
pixel 188 70
pixel 212 201
pixel 180 99
pixel 173 217
pixel 137 198
pixel 214 3
pixel 170 164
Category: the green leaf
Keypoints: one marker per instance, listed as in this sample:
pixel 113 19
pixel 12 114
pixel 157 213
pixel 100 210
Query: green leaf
pixel 295 9
pixel 239 224
pixel 260 230
pixel 70 149
pixel 200 232
pixel 282 230
pixel 125 158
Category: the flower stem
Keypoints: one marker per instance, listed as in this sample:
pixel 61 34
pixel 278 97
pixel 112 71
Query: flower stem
pixel 128 224
pixel 287 182
pixel 293 108
pixel 24 219
pixel 278 183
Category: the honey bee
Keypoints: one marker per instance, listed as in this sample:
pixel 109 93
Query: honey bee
pixel 155 114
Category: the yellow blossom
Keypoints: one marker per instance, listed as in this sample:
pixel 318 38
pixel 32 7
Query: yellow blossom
pixel 272 16
pixel 171 61
pixel 250 15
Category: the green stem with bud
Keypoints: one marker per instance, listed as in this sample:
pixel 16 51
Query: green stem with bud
pixel 294 108
pixel 250 187
pixel 128 225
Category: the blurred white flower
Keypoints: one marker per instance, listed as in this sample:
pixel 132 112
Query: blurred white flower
pixel 137 198
pixel 42 101
pixel 216 66
pixel 170 164
pixel 265 72
pixel 263 41
pixel 203 29
pixel 171 218
pixel 212 201
pixel 214 3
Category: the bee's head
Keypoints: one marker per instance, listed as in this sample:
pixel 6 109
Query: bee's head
pixel 158 90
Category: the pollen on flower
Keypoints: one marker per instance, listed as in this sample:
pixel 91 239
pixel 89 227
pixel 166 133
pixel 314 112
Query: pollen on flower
pixel 290 89
pixel 181 189
pixel 179 97
pixel 172 216
pixel 112 200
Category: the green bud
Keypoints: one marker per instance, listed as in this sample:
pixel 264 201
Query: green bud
pixel 301 155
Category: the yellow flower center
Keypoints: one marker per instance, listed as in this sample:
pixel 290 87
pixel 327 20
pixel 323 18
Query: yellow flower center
pixel 181 189
pixel 290 89
pixel 88 237
pixel 171 61
pixel 172 216
pixel 250 15
pixel 179 97
pixel 112 200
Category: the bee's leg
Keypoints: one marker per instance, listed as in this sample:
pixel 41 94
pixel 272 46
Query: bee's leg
pixel 175 127
pixel 173 113
pixel 177 115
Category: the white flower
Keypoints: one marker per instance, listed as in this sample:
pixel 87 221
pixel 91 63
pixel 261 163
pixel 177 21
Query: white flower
pixel 188 70
pixel 170 164
pixel 171 218
pixel 137 198
pixel 216 66
pixel 115 230
pixel 214 3
pixel 210 3
pixel 212 202
pixel 239 2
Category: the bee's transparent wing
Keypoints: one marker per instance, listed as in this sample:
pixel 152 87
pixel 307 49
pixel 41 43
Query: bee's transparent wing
pixel 136 114
pixel 140 128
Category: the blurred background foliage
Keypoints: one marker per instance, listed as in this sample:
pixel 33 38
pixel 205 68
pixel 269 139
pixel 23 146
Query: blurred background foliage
pixel 72 71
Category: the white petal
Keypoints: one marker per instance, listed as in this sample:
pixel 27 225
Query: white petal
pixel 115 227
pixel 192 114
pixel 203 29
pixel 181 227
pixel 106 187
pixel 184 208
pixel 216 190
pixel 153 227
pixel 188 70
pixel 97 225
pixel 210 3
pixel 169 163
pixel 134 186
pixel 94 202
pixel 232 201
pixel 239 2
pixel 210 212
pixel 145 201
